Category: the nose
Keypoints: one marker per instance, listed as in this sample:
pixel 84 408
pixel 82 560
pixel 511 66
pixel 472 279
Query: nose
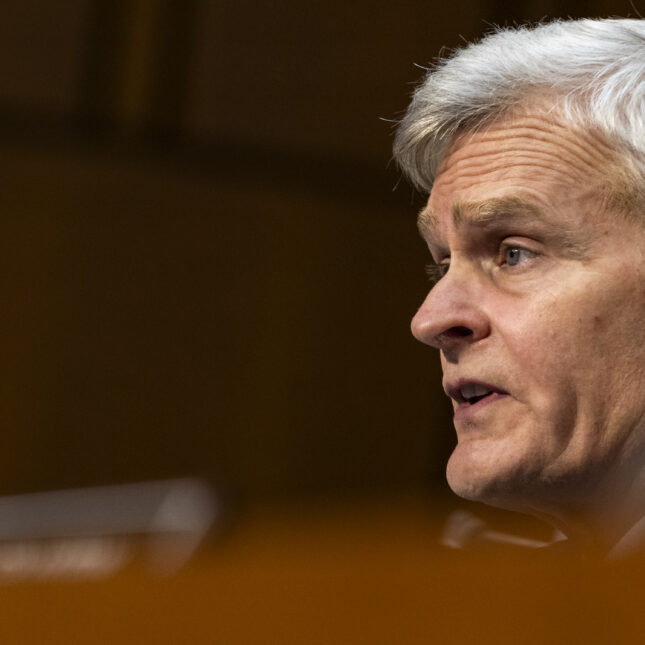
pixel 452 317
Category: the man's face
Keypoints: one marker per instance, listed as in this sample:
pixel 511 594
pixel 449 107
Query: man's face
pixel 540 312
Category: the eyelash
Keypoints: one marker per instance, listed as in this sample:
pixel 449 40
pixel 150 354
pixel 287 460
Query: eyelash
pixel 437 271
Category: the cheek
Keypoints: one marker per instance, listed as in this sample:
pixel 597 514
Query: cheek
pixel 551 352
pixel 541 336
pixel 566 331
pixel 612 329
pixel 579 348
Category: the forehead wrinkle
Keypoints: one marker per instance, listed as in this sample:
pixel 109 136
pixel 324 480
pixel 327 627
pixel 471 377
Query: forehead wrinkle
pixel 578 154
pixel 489 158
pixel 580 149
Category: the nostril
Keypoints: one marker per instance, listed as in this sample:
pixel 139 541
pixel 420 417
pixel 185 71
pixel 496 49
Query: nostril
pixel 451 339
pixel 452 336
pixel 460 331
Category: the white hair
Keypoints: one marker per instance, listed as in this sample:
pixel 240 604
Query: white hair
pixel 593 69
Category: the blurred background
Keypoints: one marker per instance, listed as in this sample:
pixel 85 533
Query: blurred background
pixel 209 260
pixel 209 267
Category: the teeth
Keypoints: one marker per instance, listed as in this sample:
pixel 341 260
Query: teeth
pixel 473 389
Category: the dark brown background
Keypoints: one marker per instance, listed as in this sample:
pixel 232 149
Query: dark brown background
pixel 206 269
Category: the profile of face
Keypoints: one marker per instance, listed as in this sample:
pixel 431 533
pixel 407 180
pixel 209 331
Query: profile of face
pixel 539 315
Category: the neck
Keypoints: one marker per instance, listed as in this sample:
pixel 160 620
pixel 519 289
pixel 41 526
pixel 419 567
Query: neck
pixel 596 522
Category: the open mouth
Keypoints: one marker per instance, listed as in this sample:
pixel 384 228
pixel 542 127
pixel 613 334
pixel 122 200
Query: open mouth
pixel 470 392
pixel 473 399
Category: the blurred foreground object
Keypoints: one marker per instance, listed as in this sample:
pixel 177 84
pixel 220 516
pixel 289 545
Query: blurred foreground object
pixel 369 573
pixel 464 530
pixel 94 532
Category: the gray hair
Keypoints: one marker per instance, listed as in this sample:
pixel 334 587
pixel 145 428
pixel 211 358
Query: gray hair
pixel 594 70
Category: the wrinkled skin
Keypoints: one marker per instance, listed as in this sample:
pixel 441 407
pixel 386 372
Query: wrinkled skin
pixel 542 298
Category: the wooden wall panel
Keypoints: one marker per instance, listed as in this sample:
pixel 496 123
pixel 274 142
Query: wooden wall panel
pixel 41 53
pixel 315 77
pixel 205 269
pixel 169 325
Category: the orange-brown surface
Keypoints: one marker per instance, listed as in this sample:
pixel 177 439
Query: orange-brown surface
pixel 335 576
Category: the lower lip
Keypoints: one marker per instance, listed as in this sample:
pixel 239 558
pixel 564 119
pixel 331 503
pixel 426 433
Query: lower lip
pixel 468 411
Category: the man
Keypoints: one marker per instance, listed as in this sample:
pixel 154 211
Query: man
pixel 531 145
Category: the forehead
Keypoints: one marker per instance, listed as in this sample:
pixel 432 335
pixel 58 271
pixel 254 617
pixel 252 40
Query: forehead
pixel 531 164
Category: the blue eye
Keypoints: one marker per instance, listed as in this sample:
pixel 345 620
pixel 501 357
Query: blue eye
pixel 513 255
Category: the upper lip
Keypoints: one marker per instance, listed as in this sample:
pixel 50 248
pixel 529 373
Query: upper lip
pixel 454 388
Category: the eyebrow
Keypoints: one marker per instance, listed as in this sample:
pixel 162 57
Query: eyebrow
pixel 506 210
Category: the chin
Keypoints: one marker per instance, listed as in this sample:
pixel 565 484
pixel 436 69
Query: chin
pixel 467 484
pixel 494 477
